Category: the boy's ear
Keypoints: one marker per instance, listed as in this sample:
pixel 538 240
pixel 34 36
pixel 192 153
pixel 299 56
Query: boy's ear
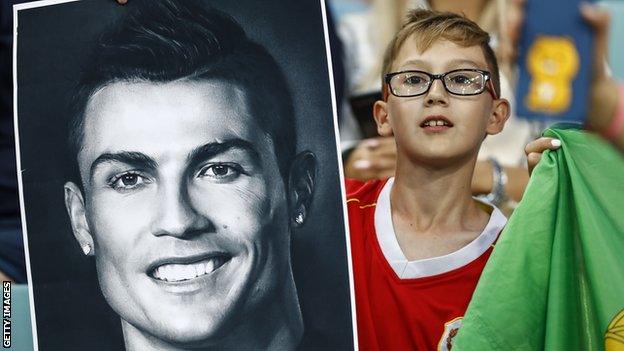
pixel 74 203
pixel 498 116
pixel 380 112
pixel 301 181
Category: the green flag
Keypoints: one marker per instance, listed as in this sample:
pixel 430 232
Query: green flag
pixel 555 280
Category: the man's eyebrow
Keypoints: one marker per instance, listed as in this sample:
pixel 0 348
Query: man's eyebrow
pixel 134 159
pixel 210 150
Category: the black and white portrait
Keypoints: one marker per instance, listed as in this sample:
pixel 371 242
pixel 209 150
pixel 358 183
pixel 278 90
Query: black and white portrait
pixel 179 176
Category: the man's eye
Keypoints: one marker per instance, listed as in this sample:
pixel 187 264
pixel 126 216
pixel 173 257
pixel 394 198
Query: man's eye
pixel 127 181
pixel 221 171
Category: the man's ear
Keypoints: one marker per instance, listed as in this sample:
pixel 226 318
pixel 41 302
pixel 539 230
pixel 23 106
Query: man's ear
pixel 498 116
pixel 301 181
pixel 74 203
pixel 380 112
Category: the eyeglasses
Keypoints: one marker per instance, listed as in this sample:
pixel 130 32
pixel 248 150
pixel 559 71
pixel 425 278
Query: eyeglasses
pixel 458 82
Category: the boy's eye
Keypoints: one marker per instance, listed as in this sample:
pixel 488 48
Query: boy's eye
pixel 414 80
pixel 461 79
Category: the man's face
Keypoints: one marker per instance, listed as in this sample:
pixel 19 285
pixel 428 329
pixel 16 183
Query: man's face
pixel 467 118
pixel 185 206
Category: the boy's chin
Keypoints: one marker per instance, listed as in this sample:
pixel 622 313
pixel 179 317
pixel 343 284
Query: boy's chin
pixel 442 157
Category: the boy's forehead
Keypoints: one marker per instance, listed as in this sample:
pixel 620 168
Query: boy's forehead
pixel 441 55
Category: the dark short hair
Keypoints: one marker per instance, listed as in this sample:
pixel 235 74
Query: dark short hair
pixel 163 41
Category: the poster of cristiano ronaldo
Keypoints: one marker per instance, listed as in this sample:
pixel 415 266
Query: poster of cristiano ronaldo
pixel 179 176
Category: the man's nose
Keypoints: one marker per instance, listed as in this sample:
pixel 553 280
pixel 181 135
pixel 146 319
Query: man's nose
pixel 176 215
pixel 437 94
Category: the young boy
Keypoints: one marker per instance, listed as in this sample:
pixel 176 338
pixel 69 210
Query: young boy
pixel 420 240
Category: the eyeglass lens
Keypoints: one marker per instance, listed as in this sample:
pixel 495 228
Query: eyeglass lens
pixel 456 82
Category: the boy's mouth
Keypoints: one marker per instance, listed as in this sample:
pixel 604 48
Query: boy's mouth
pixel 436 122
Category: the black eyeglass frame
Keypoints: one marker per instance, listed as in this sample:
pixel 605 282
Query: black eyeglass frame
pixel 489 86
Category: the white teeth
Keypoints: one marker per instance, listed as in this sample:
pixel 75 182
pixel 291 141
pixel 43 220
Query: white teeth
pixel 188 271
pixel 180 272
pixel 209 266
pixel 434 123
pixel 200 269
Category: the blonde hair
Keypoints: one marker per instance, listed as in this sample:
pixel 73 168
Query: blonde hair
pixel 427 26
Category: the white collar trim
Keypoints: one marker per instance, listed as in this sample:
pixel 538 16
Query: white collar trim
pixel 405 269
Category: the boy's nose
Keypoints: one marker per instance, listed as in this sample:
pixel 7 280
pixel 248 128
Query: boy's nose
pixel 437 94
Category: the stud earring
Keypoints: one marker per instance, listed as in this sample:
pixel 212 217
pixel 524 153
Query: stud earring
pixel 299 218
pixel 86 248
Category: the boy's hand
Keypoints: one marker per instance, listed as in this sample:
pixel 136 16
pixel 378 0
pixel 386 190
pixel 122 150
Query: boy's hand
pixel 534 150
pixel 122 2
pixel 373 158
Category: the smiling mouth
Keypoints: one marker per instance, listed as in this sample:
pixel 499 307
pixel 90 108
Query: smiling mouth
pixel 178 272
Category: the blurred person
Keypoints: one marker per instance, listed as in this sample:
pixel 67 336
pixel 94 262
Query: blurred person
pixel 606 102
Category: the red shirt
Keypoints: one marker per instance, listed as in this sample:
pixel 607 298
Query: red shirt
pixel 403 314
